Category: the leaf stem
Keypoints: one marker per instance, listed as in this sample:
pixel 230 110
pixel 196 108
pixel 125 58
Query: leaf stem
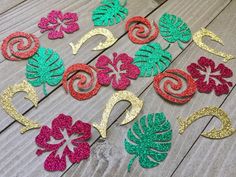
pixel 124 4
pixel 180 45
pixel 44 89
pixel 131 162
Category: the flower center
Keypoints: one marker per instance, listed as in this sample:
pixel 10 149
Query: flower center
pixel 209 74
pixel 116 71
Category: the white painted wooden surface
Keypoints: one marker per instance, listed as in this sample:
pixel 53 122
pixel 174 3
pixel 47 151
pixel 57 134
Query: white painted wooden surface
pixel 108 158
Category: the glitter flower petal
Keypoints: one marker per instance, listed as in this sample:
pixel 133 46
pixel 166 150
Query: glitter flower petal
pixel 56 161
pixel 117 72
pixel 210 77
pixel 57 23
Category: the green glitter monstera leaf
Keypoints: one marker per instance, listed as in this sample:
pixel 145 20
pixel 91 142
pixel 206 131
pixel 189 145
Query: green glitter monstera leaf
pixel 174 29
pixel 149 140
pixel 109 13
pixel 44 67
pixel 152 59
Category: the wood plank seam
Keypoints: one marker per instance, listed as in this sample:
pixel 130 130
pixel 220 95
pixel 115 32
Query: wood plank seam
pixel 13 7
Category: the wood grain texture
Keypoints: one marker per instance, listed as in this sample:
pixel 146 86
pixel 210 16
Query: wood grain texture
pixel 39 9
pixel 109 158
pixel 6 4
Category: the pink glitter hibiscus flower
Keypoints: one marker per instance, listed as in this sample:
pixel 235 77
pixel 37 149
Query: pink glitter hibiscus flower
pixel 56 161
pixel 209 77
pixel 57 23
pixel 118 72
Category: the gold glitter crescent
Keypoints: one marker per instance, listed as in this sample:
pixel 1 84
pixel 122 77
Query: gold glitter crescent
pixel 110 39
pixel 226 127
pixel 136 106
pixel 6 102
pixel 198 36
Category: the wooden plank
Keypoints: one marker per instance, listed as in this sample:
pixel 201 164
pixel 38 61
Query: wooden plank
pixel 212 158
pixel 27 164
pixel 109 157
pixel 39 9
pixel 6 5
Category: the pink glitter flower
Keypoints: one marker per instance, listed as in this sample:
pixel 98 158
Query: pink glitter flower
pixel 208 77
pixel 119 71
pixel 81 150
pixel 57 23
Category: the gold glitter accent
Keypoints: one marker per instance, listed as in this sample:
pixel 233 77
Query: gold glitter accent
pixel 226 127
pixel 198 36
pixel 110 39
pixel 6 102
pixel 136 106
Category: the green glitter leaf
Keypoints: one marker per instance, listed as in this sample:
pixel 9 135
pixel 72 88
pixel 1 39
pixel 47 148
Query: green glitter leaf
pixel 174 29
pixel 152 59
pixel 149 140
pixel 109 13
pixel 45 66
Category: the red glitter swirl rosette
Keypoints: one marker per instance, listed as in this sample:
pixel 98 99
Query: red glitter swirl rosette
pixel 81 72
pixel 142 36
pixel 19 45
pixel 176 84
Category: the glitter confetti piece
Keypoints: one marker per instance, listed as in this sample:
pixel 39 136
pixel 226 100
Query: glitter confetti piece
pixel 175 84
pixel 210 77
pixel 109 13
pixel 149 140
pixel 136 106
pixel 110 40
pixel 118 72
pixel 142 36
pixel 198 39
pixel 226 125
pixel 61 131
pixel 45 67
pixel 174 29
pixel 19 46
pixel 79 94
pixel 57 23
pixel 6 102
pixel 151 59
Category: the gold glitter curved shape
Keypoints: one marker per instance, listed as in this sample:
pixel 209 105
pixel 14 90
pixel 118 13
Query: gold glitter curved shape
pixel 198 39
pixel 6 102
pixel 110 39
pixel 136 106
pixel 226 125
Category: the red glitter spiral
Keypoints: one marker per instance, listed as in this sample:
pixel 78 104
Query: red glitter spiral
pixel 82 84
pixel 17 41
pixel 175 84
pixel 141 33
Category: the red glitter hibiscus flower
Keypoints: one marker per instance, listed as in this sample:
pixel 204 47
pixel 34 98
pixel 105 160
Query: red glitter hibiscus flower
pixel 209 77
pixel 118 72
pixel 56 161
pixel 57 23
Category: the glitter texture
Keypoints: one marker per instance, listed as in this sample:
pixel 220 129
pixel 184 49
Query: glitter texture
pixel 174 29
pixel 81 149
pixel 57 23
pixel 6 102
pixel 45 67
pixel 118 72
pixel 152 59
pixel 149 139
pixel 142 36
pixel 109 13
pixel 110 39
pixel 198 39
pixel 136 106
pixel 209 77
pixel 83 92
pixel 175 84
pixel 17 41
pixel 226 125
